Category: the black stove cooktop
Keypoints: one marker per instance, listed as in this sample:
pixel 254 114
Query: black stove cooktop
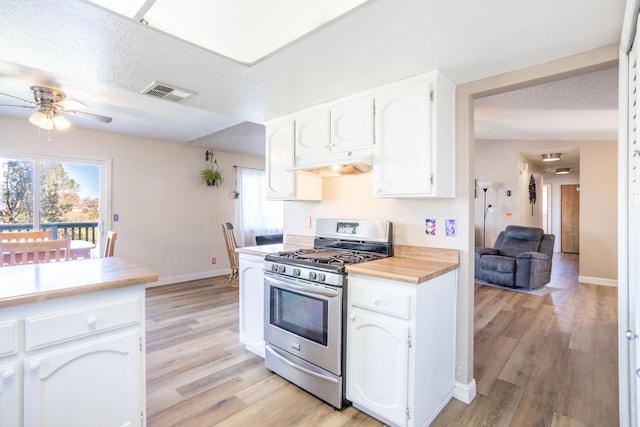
pixel 322 256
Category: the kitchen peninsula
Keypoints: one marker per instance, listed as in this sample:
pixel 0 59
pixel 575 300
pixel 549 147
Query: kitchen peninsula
pixel 72 346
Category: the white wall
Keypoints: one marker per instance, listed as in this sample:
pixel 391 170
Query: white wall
pixel 169 221
pixel 352 197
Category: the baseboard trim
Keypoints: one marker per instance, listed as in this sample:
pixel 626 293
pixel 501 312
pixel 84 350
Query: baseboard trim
pixel 598 281
pixel 465 393
pixel 170 280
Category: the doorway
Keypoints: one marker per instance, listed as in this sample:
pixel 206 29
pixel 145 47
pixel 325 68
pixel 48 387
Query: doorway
pixel 570 218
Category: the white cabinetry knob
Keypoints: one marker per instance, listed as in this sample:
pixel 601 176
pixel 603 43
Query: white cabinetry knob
pixel 376 302
pixel 34 365
pixel 352 317
pixel 8 373
pixel 91 321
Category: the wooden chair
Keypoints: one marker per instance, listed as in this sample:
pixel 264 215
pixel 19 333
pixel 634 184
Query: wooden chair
pixel 25 236
pixel 34 252
pixel 111 243
pixel 230 241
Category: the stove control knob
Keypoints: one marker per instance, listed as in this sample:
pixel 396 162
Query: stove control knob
pixel 312 275
pixel 281 269
pixel 296 271
pixel 321 277
pixel 274 267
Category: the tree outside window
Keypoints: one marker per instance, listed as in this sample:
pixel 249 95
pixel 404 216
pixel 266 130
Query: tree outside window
pixel 63 201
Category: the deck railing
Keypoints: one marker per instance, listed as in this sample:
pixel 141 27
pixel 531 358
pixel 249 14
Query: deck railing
pixel 61 230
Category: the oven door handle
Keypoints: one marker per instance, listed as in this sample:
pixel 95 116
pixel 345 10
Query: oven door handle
pixel 309 289
pixel 300 368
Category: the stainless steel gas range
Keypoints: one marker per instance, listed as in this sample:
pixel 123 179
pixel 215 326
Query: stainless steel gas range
pixel 305 303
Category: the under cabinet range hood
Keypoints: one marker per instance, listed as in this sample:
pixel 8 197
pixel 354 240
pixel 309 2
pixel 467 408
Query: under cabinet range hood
pixel 335 164
pixel 335 170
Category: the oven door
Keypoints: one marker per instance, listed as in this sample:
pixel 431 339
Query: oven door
pixel 304 319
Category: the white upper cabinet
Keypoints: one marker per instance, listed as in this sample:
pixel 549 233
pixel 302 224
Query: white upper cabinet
pixel 282 184
pixel 405 131
pixel 352 124
pixel 313 133
pixel 414 155
pixel 333 134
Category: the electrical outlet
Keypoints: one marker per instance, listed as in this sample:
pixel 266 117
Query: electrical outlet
pixel 307 222
pixel 213 260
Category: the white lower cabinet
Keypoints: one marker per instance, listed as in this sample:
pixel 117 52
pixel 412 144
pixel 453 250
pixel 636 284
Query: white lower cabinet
pixel 378 363
pixel 76 361
pixel 10 374
pixel 61 387
pixel 400 347
pixel 251 310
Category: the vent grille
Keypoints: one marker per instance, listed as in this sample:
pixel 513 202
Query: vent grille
pixel 168 92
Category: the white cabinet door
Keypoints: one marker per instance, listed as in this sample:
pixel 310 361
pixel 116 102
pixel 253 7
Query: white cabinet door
pixel 352 125
pixel 377 365
pixel 252 303
pixel 279 158
pixel 402 154
pixel 10 408
pixel 313 135
pixel 60 386
pixel 282 183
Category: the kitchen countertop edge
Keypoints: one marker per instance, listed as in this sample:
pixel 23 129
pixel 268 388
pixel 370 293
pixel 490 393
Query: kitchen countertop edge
pixel 99 274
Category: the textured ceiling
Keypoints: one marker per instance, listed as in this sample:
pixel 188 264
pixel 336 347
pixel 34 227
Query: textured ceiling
pixel 106 60
pixel 583 107
pixel 580 108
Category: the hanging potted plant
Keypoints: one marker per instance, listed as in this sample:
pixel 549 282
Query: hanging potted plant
pixel 211 175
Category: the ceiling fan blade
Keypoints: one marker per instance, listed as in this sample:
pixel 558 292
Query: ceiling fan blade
pixel 19 106
pixel 31 103
pixel 98 117
pixel 70 104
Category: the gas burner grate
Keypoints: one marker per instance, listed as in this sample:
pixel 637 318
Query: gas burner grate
pixel 327 256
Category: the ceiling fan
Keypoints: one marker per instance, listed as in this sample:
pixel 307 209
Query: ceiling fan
pixel 50 103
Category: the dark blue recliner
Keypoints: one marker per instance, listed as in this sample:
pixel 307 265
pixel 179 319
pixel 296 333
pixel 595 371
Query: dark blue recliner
pixel 521 258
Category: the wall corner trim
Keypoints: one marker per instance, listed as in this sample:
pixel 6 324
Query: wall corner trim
pixel 465 392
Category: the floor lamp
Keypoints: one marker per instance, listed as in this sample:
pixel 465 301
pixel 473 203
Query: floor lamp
pixel 484 186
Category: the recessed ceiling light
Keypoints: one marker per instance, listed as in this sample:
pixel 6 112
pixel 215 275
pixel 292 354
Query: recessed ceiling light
pixel 563 171
pixel 551 157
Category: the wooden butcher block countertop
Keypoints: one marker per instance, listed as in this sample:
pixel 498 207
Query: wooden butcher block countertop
pixel 411 264
pixel 23 284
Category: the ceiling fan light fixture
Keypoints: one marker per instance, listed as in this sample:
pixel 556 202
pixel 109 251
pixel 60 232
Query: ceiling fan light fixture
pixel 41 119
pixel 551 157
pixel 60 121
pixel 563 171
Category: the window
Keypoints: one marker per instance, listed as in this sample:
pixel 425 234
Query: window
pixel 61 195
pixel 255 215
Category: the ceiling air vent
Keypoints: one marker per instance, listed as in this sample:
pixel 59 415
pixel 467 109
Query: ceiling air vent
pixel 168 92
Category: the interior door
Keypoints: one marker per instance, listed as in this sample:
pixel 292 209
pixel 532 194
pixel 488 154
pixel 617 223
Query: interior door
pixel 570 218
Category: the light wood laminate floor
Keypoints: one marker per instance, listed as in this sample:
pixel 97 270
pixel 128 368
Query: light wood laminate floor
pixel 538 361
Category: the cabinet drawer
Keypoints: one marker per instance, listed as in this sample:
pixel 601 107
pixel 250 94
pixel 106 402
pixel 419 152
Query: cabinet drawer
pixel 62 326
pixel 393 304
pixel 8 338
